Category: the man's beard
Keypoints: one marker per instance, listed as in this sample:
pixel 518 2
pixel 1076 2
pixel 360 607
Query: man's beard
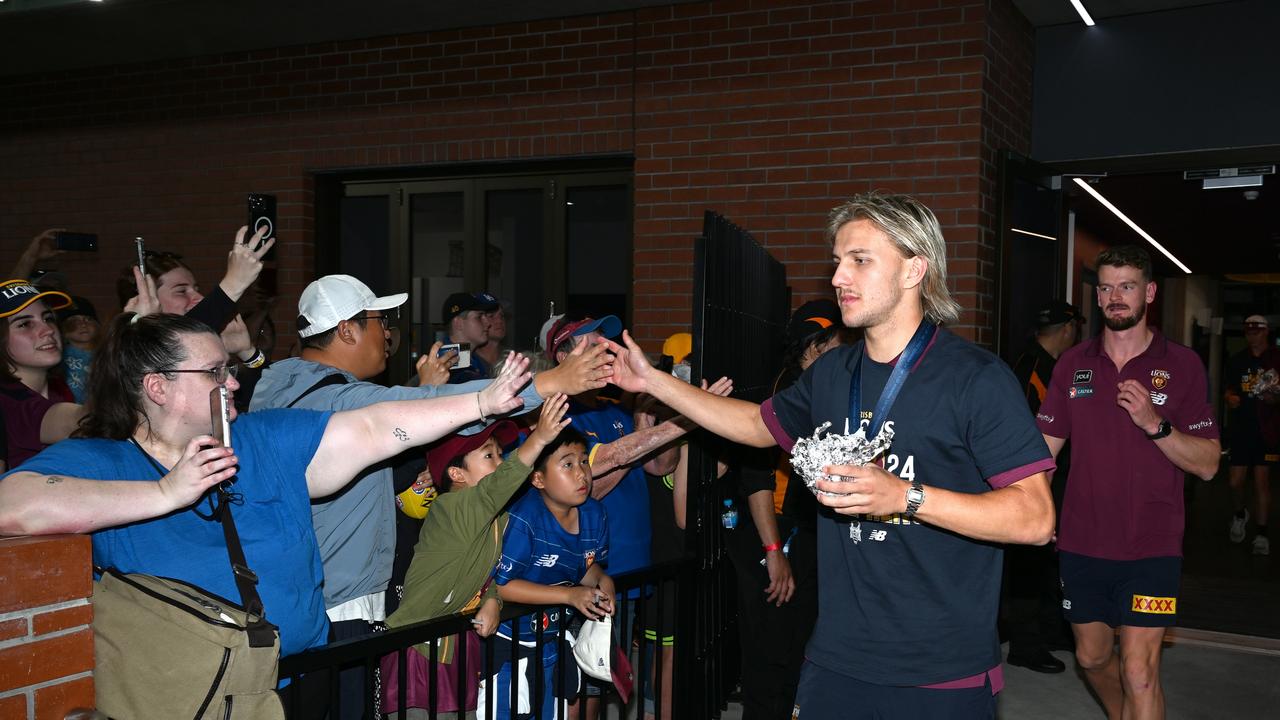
pixel 1118 323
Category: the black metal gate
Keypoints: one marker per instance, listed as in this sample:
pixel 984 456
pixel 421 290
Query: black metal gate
pixel 739 318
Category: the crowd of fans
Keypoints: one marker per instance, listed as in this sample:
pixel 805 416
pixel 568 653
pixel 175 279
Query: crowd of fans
pixel 493 476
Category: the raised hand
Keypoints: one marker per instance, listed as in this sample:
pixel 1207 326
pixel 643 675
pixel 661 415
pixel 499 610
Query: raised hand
pixel 235 337
pixel 146 302
pixel 244 262
pixel 433 370
pixel 631 368
pixel 204 463
pixel 551 420
pixel 588 367
pixel 503 394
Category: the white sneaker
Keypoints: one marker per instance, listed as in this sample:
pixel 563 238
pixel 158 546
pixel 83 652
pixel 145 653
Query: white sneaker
pixel 1261 545
pixel 1237 527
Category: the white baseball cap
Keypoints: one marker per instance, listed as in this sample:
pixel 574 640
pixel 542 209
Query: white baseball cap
pixel 334 298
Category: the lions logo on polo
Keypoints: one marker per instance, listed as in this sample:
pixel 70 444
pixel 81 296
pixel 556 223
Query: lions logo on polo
pixel 1159 378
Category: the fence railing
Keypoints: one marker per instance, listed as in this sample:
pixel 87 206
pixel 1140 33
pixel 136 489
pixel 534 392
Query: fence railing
pixel 642 604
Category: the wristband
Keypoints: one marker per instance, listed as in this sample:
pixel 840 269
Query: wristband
pixel 773 546
pixel 258 360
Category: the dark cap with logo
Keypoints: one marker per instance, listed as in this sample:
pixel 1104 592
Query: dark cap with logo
pixel 458 303
pixel 1056 312
pixel 17 294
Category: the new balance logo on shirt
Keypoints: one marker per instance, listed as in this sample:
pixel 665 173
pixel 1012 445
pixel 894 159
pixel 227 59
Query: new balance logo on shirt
pixel 546 561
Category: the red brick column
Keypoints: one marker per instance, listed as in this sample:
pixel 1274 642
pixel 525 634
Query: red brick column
pixel 46 644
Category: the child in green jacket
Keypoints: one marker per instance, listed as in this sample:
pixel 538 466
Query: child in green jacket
pixel 460 542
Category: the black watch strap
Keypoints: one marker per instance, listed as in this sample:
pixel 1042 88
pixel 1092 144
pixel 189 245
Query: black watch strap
pixel 1165 429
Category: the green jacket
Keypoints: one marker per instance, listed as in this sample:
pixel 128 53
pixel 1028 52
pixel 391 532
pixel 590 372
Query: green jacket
pixel 460 542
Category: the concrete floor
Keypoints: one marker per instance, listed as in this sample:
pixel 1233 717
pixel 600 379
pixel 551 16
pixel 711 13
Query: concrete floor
pixel 1206 676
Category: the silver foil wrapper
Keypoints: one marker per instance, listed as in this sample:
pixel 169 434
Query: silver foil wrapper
pixel 811 455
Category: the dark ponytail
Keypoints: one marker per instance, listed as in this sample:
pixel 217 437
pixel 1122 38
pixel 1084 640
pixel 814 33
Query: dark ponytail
pixel 135 346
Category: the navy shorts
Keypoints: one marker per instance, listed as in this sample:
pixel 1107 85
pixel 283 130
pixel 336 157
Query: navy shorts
pixel 1249 449
pixel 1136 593
pixel 827 695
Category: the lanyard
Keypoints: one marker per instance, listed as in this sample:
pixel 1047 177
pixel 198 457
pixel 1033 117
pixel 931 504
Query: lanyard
pixel 906 363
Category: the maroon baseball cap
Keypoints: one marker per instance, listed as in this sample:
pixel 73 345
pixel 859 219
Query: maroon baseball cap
pixel 455 446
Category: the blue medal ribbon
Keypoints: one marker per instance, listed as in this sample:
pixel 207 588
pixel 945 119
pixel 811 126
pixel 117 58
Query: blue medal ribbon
pixel 906 363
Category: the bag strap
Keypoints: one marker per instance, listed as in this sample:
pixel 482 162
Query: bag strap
pixel 332 379
pixel 261 632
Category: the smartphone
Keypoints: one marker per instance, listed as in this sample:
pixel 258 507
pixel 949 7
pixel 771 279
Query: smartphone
pixel 78 242
pixel 262 212
pixel 220 413
pixel 140 245
pixel 463 350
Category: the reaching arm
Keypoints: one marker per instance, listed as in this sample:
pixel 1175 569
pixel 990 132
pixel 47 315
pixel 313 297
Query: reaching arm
pixel 1018 513
pixel 42 247
pixel 680 486
pixel 36 504
pixel 609 463
pixel 732 419
pixel 356 439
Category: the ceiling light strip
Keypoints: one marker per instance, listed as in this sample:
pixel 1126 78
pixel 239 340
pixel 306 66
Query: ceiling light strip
pixel 1032 234
pixel 1084 14
pixel 1107 204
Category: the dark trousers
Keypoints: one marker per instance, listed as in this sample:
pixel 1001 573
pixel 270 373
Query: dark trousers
pixel 352 690
pixel 1032 599
pixel 773 638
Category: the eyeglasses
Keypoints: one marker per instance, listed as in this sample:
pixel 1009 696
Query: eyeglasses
pixel 387 327
pixel 220 373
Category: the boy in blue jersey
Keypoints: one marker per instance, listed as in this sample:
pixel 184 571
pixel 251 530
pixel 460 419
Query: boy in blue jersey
pixel 554 552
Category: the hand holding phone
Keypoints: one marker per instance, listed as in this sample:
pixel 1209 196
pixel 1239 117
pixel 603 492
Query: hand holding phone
pixel 220 414
pixel 140 246
pixel 462 349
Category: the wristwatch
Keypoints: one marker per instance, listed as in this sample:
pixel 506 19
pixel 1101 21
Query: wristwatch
pixel 915 498
pixel 1164 430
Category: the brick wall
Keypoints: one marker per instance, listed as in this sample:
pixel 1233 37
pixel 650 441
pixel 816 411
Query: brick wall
pixel 766 110
pixel 46 644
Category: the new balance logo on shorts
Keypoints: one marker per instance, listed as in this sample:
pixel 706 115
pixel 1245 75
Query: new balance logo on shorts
pixel 1155 605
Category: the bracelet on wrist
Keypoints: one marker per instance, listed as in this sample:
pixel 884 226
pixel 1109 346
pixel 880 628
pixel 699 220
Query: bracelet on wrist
pixel 483 419
pixel 772 546
pixel 258 360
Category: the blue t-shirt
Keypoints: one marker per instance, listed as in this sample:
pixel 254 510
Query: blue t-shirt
pixel 537 548
pixel 628 502
pixel 901 602
pixel 273 519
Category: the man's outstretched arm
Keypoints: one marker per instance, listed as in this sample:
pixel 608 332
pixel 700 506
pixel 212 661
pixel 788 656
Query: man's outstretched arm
pixel 736 420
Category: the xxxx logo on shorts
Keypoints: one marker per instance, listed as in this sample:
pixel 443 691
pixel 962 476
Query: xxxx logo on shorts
pixel 1155 605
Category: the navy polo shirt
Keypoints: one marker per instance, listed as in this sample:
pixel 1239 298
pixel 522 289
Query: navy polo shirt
pixel 901 602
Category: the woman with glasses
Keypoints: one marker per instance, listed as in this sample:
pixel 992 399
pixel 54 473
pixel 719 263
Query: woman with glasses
pixel 143 461
pixel 37 406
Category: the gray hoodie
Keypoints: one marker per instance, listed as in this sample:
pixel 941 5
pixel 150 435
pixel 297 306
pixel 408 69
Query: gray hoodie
pixel 356 527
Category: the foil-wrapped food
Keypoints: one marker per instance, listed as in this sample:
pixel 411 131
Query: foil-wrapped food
pixel 811 455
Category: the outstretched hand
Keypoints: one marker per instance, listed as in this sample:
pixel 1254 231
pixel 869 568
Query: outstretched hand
pixel 244 262
pixel 588 367
pixel 720 388
pixel 503 394
pixel 550 421
pixel 204 463
pixel 631 369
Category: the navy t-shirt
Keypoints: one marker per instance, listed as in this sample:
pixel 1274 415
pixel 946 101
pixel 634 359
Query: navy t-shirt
pixel 537 548
pixel 901 602
pixel 628 501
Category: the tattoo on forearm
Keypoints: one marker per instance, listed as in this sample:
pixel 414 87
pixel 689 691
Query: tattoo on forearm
pixel 52 480
pixel 401 435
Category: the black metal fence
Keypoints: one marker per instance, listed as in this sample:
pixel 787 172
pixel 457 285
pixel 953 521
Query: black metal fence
pixel 315 671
